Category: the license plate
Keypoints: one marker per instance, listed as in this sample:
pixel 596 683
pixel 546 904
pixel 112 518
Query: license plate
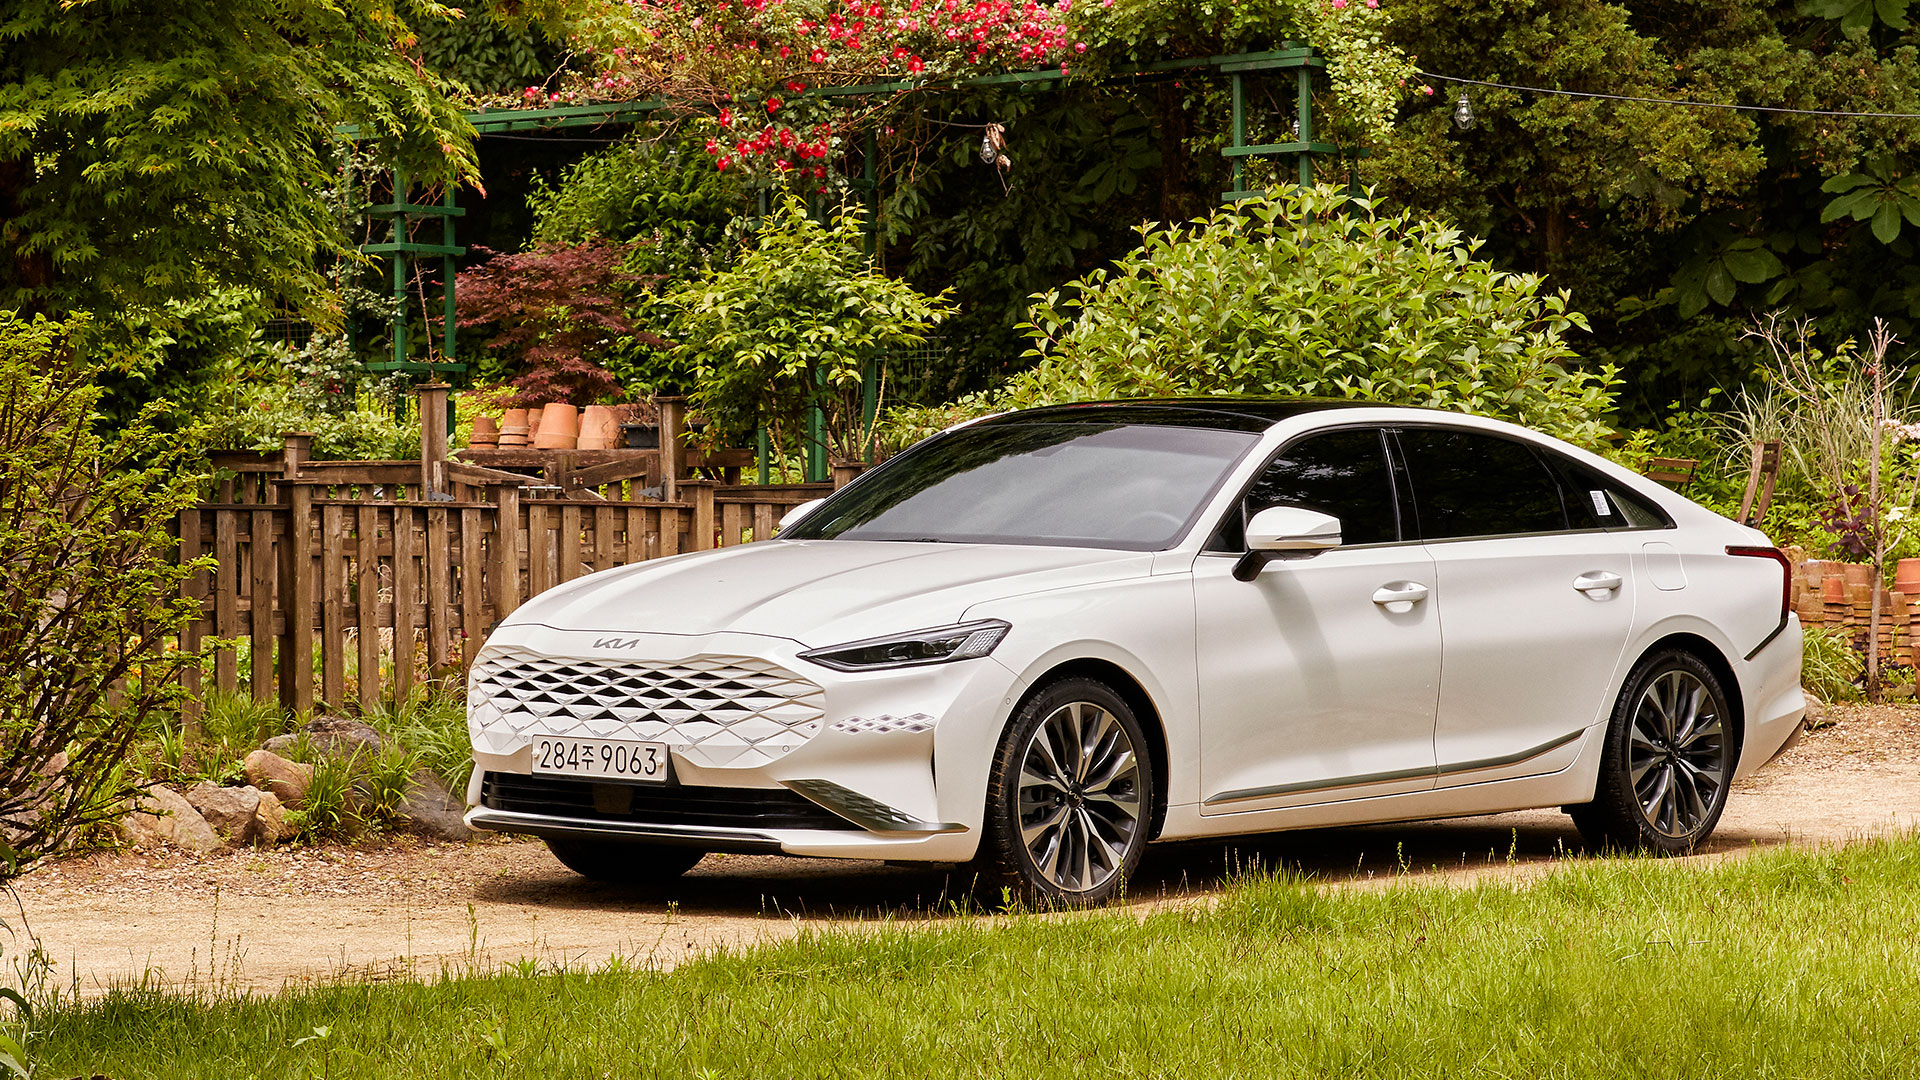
pixel 557 755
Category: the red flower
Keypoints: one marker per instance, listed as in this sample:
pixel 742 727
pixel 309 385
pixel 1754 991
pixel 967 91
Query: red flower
pixel 773 105
pixel 723 163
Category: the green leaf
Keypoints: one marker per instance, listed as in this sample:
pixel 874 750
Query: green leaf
pixel 1846 183
pixel 1719 283
pixel 1886 223
pixel 1892 12
pixel 1858 19
pixel 1753 266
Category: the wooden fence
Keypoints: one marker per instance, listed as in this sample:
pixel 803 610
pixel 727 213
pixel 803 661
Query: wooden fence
pixel 345 582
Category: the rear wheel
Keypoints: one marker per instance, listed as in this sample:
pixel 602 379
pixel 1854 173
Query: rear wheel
pixel 1669 759
pixel 1072 796
pixel 618 863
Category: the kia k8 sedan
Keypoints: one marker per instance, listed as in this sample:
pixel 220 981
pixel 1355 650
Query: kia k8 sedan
pixel 1038 642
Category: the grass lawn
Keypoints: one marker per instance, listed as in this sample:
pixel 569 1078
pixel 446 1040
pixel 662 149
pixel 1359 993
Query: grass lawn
pixel 1785 964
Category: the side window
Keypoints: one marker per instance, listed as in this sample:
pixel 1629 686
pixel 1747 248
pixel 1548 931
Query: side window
pixel 1342 473
pixel 1466 483
pixel 1595 502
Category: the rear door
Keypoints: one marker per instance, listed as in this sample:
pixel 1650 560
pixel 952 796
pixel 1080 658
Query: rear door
pixel 1535 602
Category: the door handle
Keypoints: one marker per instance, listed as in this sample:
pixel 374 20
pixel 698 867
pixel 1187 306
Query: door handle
pixel 1597 581
pixel 1400 592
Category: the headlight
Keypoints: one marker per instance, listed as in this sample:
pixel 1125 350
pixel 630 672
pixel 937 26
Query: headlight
pixel 940 645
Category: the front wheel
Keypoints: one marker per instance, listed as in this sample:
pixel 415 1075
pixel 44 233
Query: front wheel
pixel 1669 759
pixel 1072 796
pixel 617 863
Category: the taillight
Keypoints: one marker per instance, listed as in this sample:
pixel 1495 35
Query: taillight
pixel 1786 572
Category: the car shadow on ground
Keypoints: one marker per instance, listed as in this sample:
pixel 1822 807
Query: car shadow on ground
pixel 783 888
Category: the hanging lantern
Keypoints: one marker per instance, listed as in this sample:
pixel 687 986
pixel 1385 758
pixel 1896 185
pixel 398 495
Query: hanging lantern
pixel 1463 113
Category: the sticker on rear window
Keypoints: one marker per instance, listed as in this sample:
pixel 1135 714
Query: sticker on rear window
pixel 1600 506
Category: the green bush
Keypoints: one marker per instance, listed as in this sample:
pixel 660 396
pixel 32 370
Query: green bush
pixel 90 593
pixel 330 809
pixel 1829 664
pixel 436 728
pixel 1308 293
pixel 791 324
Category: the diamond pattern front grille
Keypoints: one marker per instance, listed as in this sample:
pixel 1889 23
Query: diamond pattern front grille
pixel 717 710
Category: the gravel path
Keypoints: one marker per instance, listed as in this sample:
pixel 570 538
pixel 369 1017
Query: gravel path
pixel 257 921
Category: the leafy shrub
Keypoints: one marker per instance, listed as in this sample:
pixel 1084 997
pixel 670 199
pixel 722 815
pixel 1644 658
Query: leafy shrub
pixel 436 728
pixel 1829 666
pixel 551 315
pixel 385 783
pixel 1307 293
pixel 329 810
pixel 89 592
pixel 791 324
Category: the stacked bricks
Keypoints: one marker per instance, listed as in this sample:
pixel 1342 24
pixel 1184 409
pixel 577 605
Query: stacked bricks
pixel 1839 595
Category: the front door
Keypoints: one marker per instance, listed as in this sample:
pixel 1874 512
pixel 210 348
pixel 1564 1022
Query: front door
pixel 1319 678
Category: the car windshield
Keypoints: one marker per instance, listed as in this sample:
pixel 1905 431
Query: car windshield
pixel 1110 485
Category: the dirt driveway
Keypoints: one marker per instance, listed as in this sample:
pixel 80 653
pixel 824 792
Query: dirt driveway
pixel 259 920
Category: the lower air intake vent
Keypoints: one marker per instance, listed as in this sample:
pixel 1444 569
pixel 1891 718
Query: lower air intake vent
pixel 727 808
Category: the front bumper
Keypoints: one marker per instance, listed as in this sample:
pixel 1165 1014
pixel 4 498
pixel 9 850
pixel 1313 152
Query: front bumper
pixel 857 780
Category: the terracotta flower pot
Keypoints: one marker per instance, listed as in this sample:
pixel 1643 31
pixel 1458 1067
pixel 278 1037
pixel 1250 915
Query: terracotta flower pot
pixel 1833 590
pixel 599 428
pixel 559 428
pixel 513 428
pixel 1906 578
pixel 485 434
pixel 1857 573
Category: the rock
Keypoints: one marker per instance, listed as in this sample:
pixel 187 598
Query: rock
pixel 237 812
pixel 286 780
pixel 332 736
pixel 270 823
pixel 431 811
pixel 163 816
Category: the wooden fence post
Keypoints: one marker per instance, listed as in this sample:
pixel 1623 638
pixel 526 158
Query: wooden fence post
pixel 506 551
pixel 366 564
pixel 192 546
pixel 433 438
pixel 703 526
pixel 673 415
pixel 260 614
pixel 296 600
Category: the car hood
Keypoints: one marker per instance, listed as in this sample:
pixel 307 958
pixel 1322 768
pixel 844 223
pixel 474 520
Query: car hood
pixel 819 592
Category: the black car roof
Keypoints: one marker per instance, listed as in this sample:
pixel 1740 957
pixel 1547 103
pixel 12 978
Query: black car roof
pixel 1227 413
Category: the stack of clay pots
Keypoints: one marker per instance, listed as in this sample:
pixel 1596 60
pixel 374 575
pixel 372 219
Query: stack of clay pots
pixel 554 427
pixel 513 428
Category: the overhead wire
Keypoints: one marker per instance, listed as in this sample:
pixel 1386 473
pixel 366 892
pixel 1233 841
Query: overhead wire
pixel 1837 113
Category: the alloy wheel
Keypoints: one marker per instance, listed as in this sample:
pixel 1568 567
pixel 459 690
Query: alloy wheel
pixel 1080 796
pixel 1677 753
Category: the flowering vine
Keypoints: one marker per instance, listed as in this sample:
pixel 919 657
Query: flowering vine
pixel 760 74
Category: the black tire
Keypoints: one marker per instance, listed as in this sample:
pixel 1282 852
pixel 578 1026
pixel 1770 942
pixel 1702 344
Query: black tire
pixel 1668 761
pixel 1068 835
pixel 618 863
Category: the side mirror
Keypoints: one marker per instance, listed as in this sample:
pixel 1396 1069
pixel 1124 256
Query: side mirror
pixel 794 515
pixel 1280 530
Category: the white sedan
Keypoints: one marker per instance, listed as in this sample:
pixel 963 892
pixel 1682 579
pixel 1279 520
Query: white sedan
pixel 1038 642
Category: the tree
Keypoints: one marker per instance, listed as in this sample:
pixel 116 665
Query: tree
pixel 1307 294
pixel 89 591
pixel 553 314
pixel 150 149
pixel 790 325
pixel 1674 226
